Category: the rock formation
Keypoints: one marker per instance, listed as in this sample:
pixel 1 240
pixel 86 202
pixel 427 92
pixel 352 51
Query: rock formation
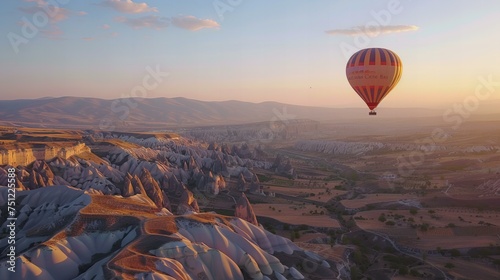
pixel 241 185
pixel 187 203
pixel 244 210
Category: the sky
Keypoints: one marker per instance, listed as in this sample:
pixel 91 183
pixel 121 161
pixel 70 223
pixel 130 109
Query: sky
pixel 288 51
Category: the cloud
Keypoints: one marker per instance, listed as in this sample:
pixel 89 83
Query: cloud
pixel 55 14
pixel 88 38
pixel 82 13
pixel 60 14
pixel 152 21
pixel 372 31
pixel 193 24
pixel 128 6
pixel 105 26
pixel 52 33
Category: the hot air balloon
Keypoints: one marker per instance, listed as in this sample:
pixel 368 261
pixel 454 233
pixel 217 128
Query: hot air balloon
pixel 373 73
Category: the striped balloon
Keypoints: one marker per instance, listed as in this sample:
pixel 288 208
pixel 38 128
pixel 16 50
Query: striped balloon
pixel 373 73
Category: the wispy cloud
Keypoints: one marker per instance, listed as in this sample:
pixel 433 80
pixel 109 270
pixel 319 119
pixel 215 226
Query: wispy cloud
pixel 128 6
pixel 152 21
pixel 60 14
pixel 372 31
pixel 53 32
pixel 193 23
pixel 82 13
pixel 55 14
pixel 105 26
pixel 88 38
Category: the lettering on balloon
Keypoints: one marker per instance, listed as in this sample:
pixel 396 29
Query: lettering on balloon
pixel 356 77
pixel 368 76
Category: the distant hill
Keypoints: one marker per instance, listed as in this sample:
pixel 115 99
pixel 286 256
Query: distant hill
pixel 171 112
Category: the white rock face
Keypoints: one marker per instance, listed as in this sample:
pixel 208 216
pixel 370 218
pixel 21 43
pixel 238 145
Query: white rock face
pixel 73 231
pixel 197 259
pixel 189 162
pixel 295 273
pixel 44 211
pixel 325 264
pixel 190 246
pixel 62 259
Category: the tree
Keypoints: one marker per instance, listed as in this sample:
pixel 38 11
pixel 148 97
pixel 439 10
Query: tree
pixel 415 273
pixel 390 223
pixel 413 211
pixel 382 218
pixel 455 253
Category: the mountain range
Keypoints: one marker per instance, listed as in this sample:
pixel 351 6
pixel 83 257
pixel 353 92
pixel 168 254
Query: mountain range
pixel 95 113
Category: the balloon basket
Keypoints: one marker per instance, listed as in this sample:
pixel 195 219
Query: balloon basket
pixel 372 113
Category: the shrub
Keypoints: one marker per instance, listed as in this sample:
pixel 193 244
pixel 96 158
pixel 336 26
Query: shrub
pixel 415 273
pixel 382 218
pixel 424 227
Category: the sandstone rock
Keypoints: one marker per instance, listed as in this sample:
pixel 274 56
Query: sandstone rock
pixel 244 210
pixel 152 188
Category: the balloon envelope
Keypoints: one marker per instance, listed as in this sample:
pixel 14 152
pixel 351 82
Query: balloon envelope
pixel 373 73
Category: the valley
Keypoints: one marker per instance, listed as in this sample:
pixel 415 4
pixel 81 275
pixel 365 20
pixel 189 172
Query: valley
pixel 329 205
